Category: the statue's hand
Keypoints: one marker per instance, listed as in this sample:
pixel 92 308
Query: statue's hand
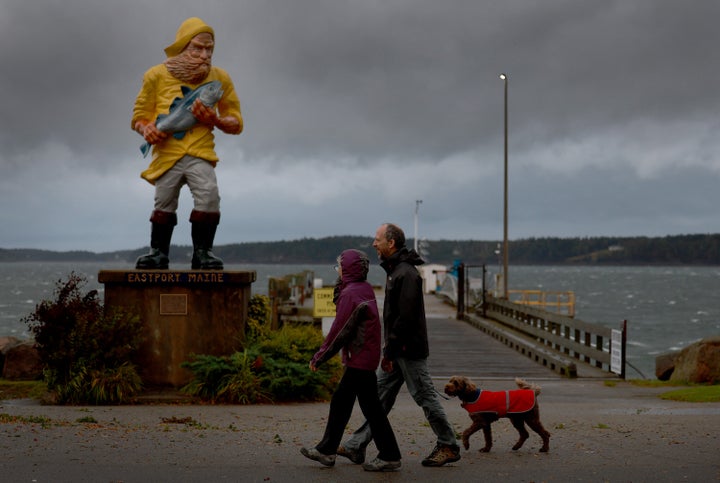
pixel 150 132
pixel 209 117
pixel 205 115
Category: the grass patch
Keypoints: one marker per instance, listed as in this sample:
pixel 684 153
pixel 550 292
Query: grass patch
pixel 22 389
pixel 686 393
pixel 694 394
pixel 12 419
pixel 654 383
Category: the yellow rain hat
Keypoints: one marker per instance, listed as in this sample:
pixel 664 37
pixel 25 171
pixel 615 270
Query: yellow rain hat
pixel 188 29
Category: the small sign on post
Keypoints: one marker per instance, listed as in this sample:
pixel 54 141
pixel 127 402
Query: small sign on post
pixel 323 305
pixel 616 351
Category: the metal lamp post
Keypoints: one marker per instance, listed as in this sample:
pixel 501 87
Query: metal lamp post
pixel 417 207
pixel 505 250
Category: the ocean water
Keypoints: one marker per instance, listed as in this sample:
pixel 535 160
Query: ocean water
pixel 666 308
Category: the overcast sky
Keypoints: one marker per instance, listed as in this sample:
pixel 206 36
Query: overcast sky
pixel 356 109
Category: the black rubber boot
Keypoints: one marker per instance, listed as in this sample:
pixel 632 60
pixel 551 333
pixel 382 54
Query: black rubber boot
pixel 204 226
pixel 163 224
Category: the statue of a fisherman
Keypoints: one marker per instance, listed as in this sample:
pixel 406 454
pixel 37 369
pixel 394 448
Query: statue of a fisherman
pixel 181 154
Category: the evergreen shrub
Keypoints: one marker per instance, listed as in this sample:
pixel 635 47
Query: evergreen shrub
pixel 273 366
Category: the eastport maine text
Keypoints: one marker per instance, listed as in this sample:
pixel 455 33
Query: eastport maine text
pixel 175 277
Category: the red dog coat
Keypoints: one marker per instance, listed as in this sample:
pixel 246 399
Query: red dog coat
pixel 502 402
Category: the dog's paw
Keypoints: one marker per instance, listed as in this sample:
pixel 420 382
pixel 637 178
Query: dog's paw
pixel 486 449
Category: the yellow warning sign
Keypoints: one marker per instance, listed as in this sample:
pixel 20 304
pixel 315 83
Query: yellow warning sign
pixel 323 302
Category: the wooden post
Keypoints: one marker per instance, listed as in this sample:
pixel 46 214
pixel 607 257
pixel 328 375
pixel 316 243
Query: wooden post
pixel 484 300
pixel 461 292
pixel 624 348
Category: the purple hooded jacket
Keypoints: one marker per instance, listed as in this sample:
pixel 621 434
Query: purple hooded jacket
pixel 356 328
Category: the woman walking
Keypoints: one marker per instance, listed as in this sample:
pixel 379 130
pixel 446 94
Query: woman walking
pixel 355 331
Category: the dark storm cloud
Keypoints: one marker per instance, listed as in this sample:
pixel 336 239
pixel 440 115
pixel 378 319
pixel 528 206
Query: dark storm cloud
pixel 374 104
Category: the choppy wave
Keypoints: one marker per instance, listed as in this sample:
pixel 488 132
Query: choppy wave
pixel 666 308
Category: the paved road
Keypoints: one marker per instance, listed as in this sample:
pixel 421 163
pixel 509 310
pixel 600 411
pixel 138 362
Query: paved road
pixel 600 432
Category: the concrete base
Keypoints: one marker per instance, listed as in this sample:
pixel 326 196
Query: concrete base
pixel 183 313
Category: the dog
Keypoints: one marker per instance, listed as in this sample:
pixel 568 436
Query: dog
pixel 486 407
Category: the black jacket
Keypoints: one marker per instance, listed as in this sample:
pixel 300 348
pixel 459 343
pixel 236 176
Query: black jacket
pixel 404 322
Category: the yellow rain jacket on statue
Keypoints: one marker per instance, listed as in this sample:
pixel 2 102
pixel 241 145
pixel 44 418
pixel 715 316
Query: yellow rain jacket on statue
pixel 159 90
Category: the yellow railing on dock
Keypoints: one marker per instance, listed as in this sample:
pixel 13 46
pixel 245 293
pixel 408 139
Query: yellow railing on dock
pixel 558 302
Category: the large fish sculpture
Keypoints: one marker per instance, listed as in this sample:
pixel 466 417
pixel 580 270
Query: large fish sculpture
pixel 180 118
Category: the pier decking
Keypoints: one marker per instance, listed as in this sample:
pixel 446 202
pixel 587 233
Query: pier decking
pixel 458 348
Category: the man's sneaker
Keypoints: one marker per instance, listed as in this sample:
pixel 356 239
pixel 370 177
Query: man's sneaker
pixel 441 455
pixel 315 455
pixel 381 465
pixel 356 456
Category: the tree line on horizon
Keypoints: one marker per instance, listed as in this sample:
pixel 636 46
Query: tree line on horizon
pixel 701 249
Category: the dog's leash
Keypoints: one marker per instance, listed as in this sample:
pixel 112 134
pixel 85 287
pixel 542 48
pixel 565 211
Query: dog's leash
pixel 442 395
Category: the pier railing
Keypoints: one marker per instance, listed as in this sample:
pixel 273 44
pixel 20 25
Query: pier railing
pixel 552 301
pixel 552 339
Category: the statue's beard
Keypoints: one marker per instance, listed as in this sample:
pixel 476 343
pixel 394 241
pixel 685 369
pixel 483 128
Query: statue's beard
pixel 189 69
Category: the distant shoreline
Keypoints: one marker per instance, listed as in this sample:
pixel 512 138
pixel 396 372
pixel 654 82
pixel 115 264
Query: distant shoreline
pixel 698 250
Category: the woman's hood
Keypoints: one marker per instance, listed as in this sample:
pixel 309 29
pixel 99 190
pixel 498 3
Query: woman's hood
pixel 355 265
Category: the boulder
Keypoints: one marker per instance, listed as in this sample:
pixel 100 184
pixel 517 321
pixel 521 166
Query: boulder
pixel 698 363
pixel 665 365
pixel 5 342
pixel 22 362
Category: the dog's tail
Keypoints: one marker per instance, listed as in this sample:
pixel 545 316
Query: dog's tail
pixel 522 384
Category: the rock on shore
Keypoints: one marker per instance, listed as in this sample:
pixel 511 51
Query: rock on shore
pixel 19 360
pixel 697 363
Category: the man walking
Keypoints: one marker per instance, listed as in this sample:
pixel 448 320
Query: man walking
pixel 405 349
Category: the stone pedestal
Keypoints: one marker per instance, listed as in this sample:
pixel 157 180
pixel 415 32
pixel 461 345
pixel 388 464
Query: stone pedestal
pixel 183 313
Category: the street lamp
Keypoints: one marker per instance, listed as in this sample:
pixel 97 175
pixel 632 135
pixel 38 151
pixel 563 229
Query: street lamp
pixel 504 78
pixel 417 207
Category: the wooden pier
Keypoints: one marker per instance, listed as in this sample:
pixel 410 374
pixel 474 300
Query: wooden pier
pixel 458 347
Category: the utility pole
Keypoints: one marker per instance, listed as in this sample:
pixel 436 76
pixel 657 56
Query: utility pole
pixel 504 77
pixel 417 207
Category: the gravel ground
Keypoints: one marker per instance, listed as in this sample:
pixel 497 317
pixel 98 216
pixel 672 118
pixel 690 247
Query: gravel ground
pixel 600 432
